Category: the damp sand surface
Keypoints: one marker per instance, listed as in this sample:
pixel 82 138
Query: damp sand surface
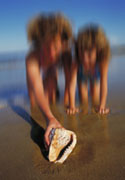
pixel 100 150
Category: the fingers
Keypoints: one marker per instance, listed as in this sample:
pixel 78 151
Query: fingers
pixel 104 111
pixel 46 136
pixel 52 125
pixel 72 111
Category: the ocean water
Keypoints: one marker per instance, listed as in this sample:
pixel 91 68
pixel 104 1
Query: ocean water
pixel 116 85
pixel 12 79
pixel 13 87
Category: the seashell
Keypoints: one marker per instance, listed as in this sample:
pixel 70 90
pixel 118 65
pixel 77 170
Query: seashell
pixel 62 143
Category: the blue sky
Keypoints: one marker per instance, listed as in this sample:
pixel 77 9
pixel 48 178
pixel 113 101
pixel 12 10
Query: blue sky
pixel 14 16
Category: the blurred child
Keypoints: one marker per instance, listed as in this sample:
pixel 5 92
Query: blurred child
pixel 91 65
pixel 46 34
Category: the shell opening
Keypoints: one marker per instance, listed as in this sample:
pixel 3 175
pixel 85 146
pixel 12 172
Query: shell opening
pixel 62 152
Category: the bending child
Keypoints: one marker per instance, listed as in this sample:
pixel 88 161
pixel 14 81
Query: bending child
pixel 90 66
pixel 46 34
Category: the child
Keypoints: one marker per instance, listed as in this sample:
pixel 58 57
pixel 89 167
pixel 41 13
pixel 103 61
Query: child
pixel 46 34
pixel 92 61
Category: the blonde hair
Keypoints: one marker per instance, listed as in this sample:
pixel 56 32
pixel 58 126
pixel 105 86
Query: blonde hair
pixel 45 26
pixel 93 36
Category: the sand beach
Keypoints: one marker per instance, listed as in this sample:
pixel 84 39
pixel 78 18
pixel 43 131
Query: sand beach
pixel 100 150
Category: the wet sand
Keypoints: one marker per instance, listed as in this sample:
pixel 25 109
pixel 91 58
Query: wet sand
pixel 98 155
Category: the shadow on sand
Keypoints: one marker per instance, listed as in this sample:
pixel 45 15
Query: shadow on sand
pixel 37 132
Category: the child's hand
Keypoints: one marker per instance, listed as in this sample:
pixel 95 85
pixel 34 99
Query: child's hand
pixel 101 110
pixel 71 111
pixel 104 110
pixel 52 123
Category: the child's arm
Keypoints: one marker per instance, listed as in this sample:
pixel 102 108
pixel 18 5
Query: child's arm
pixel 67 62
pixel 103 87
pixel 72 89
pixel 67 80
pixel 34 77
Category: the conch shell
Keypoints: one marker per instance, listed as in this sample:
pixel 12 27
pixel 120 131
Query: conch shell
pixel 62 144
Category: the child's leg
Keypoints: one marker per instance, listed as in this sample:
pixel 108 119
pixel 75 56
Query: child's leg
pixel 95 93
